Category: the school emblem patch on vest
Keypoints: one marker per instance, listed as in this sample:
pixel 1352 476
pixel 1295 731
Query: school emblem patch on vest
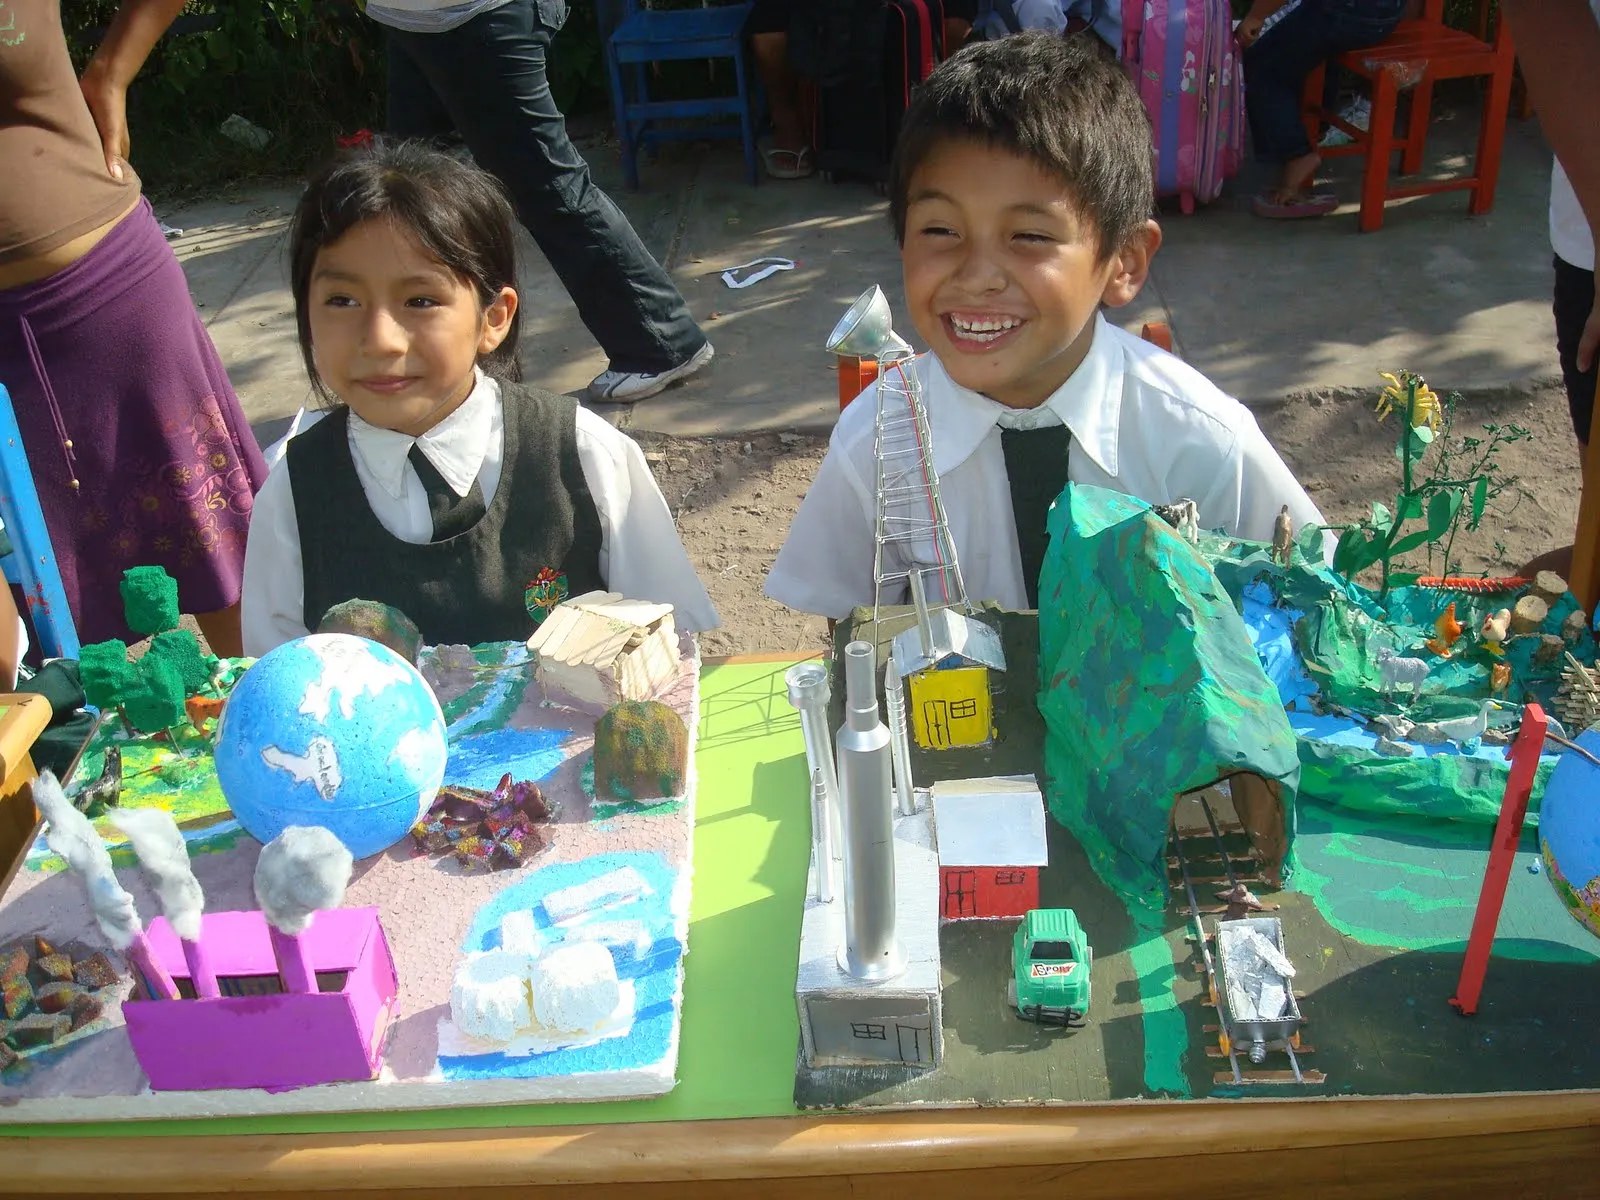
pixel 544 591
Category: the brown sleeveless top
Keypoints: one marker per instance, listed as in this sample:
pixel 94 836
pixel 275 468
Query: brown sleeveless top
pixel 57 187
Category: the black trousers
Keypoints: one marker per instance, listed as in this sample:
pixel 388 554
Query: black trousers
pixel 1574 301
pixel 1275 68
pixel 487 81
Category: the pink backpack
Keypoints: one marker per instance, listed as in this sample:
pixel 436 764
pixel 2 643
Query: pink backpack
pixel 1188 68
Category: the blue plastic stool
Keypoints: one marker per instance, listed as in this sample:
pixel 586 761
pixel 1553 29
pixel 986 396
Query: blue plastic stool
pixel 31 562
pixel 662 35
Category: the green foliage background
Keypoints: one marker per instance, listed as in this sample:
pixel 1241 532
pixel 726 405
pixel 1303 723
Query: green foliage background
pixel 308 71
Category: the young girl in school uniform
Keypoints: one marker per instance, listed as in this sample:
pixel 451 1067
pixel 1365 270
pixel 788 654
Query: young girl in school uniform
pixel 437 483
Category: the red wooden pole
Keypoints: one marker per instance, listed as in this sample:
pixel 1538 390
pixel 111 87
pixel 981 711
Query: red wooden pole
pixel 1507 833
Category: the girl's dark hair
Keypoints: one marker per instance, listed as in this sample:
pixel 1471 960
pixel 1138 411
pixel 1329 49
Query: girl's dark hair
pixel 1062 103
pixel 457 212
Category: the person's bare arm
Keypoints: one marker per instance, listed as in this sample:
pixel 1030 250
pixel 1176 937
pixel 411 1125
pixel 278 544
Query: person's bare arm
pixel 134 31
pixel 1250 28
pixel 1558 44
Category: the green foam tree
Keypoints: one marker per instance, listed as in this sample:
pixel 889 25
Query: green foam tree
pixel 105 672
pixel 155 702
pixel 182 649
pixel 149 600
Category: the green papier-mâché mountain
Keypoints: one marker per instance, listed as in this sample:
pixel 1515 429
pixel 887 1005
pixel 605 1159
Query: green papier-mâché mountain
pixel 1150 688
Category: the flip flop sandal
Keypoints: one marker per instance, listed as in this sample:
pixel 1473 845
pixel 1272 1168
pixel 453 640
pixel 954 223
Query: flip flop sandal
pixel 1276 207
pixel 788 164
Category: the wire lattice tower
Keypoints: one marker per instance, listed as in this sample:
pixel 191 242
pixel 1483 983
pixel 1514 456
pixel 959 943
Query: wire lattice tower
pixel 911 526
pixel 911 534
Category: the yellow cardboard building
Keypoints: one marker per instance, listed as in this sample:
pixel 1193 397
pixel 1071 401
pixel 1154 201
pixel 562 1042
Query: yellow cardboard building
pixel 946 660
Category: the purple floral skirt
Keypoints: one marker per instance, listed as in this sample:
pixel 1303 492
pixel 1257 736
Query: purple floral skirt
pixel 117 388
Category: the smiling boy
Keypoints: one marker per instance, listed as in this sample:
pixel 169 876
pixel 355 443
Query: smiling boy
pixel 1021 194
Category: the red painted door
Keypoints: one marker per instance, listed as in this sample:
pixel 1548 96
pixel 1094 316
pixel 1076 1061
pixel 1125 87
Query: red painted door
pixel 960 894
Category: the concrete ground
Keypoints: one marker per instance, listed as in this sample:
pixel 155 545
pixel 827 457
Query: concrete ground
pixel 1267 310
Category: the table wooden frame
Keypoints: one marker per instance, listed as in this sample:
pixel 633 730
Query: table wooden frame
pixel 1515 1145
pixel 1522 1144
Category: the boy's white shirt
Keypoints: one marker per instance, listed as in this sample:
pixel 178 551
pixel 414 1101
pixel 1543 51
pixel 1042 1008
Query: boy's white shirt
pixel 1142 422
pixel 641 555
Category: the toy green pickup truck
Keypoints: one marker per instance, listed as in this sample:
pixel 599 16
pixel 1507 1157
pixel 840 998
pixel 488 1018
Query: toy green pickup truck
pixel 1050 961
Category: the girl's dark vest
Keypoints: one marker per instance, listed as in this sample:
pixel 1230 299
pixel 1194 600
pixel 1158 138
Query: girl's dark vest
pixel 468 588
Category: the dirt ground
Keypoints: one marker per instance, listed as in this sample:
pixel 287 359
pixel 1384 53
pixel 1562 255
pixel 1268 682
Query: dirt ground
pixel 734 498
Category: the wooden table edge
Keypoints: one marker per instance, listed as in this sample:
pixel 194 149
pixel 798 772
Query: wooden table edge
pixel 776 1147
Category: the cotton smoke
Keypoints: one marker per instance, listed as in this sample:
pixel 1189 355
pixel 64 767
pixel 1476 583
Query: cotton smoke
pixel 155 839
pixel 74 839
pixel 301 870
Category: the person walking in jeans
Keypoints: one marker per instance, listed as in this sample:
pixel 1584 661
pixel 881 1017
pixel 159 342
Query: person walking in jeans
pixel 479 69
pixel 1285 42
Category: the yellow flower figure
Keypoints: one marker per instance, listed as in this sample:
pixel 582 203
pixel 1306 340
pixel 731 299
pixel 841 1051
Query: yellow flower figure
pixel 1426 410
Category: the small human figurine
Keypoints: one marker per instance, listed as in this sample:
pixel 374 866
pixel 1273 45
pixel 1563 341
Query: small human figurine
pixel 1283 538
pixel 1494 630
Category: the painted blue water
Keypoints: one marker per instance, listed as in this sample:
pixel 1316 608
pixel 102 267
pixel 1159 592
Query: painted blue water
pixel 480 759
pixel 654 973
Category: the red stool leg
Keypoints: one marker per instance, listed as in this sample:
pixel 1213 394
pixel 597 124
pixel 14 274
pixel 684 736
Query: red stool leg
pixel 1417 127
pixel 1491 137
pixel 1380 146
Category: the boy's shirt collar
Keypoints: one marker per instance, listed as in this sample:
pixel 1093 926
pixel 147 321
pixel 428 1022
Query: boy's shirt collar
pixel 455 446
pixel 1089 404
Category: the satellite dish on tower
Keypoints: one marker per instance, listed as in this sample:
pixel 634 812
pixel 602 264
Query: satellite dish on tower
pixel 866 329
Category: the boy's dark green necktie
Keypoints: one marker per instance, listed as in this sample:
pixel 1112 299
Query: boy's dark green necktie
pixel 452 514
pixel 1036 467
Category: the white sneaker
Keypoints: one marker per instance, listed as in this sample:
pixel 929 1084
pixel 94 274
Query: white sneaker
pixel 620 387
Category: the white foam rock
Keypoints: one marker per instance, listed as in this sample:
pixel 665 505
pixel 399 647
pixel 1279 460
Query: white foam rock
pixel 489 998
pixel 519 934
pixel 575 987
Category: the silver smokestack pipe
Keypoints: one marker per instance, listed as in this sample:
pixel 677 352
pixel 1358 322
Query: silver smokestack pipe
pixel 808 689
pixel 870 951
pixel 899 742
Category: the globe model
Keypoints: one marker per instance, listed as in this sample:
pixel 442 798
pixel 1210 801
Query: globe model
pixel 1569 832
pixel 331 730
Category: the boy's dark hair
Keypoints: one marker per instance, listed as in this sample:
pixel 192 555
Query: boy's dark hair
pixel 457 212
pixel 1062 103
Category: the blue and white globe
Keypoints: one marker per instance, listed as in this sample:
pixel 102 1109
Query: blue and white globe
pixel 1569 832
pixel 331 730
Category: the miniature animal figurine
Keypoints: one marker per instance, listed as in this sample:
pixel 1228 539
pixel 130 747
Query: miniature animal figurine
pixel 106 790
pixel 1401 672
pixel 1494 629
pixel 202 709
pixel 1184 516
pixel 1465 732
pixel 1283 538
pixel 1448 631
pixel 1499 678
